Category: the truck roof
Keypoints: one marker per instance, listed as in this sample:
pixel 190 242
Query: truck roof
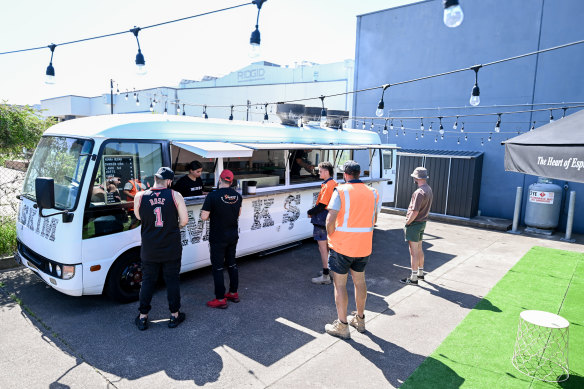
pixel 187 128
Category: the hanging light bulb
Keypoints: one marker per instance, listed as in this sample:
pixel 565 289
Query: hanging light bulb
pixel 404 131
pixel 255 38
pixel 475 98
pixel 363 126
pixel 151 106
pixel 402 125
pixel 564 114
pixel 532 127
pixel 462 127
pixel 391 124
pixel 137 101
pixel 453 14
pixel 482 143
pixel 136 95
pixel 205 116
pixel 421 125
pixel 551 116
pixel 126 97
pixel 441 129
pixel 266 112
pixel 50 73
pixel 455 125
pixel 498 124
pixel 177 107
pixel 416 136
pixel 117 89
pixel 184 113
pixel 436 139
pixel 140 62
pixel 165 109
pixel 490 136
pixel 231 114
pixel 465 138
pixel 323 117
pixel 457 141
pixel 372 126
pixel 381 105
pixel 396 133
pixel 442 137
pixel 300 123
pixel 385 132
pixel 422 134
pixel 430 129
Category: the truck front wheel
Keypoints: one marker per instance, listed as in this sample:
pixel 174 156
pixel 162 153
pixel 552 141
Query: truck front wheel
pixel 125 278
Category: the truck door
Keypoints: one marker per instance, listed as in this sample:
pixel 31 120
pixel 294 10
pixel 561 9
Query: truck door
pixel 388 172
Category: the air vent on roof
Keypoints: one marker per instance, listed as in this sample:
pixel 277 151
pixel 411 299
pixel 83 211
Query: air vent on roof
pixel 289 113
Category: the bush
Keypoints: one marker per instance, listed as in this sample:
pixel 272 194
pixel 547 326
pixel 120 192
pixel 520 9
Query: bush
pixel 7 237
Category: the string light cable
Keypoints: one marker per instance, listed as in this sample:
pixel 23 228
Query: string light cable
pixel 130 31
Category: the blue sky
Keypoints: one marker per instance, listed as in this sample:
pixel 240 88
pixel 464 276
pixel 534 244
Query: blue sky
pixel 292 30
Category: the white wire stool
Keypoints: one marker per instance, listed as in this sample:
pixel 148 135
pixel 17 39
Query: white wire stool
pixel 541 347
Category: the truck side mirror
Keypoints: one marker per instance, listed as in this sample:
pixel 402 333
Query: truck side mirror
pixel 45 192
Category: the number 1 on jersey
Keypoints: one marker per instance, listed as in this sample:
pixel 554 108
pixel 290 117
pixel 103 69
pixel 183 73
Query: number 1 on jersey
pixel 158 214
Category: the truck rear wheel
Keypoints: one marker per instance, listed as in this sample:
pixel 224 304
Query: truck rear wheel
pixel 125 278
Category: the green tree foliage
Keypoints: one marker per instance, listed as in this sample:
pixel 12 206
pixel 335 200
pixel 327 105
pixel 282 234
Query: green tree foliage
pixel 20 128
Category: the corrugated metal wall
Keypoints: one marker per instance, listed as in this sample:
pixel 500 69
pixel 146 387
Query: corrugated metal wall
pixel 455 182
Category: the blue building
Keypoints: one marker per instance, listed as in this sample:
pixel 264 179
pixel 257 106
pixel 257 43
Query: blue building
pixel 411 41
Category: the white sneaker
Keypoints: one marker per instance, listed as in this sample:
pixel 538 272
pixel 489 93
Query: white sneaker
pixel 323 279
pixel 356 321
pixel 338 329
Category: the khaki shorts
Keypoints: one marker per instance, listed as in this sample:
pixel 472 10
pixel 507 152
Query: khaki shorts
pixel 414 231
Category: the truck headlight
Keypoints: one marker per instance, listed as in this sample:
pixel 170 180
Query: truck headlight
pixel 68 272
pixel 59 270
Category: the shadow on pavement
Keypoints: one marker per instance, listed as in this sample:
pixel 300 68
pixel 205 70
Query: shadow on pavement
pixel 464 300
pixel 391 356
pixel 279 311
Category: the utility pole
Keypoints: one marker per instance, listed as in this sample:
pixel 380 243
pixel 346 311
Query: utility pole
pixel 247 114
pixel 111 96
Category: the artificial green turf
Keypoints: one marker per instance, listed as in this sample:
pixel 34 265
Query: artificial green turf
pixel 477 354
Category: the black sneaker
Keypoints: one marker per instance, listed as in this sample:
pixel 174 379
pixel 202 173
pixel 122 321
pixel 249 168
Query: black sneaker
pixel 408 281
pixel 175 321
pixel 142 324
pixel 420 277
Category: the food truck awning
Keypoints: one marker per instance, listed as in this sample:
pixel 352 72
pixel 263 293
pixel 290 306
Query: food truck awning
pixel 275 146
pixel 306 146
pixel 215 149
pixel 384 147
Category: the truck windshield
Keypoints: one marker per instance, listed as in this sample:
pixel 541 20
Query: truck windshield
pixel 64 160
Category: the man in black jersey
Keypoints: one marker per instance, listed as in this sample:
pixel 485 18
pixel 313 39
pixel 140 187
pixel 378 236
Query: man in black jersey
pixel 191 184
pixel 163 212
pixel 223 207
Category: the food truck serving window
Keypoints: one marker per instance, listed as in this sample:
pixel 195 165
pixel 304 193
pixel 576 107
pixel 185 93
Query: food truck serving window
pixel 64 160
pixel 265 167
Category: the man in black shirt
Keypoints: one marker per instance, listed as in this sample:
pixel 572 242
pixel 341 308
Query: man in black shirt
pixel 191 184
pixel 223 207
pixel 298 161
pixel 163 212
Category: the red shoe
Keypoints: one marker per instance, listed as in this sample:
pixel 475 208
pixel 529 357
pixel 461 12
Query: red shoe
pixel 215 303
pixel 232 297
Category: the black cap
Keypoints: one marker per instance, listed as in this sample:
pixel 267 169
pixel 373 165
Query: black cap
pixel 165 173
pixel 352 168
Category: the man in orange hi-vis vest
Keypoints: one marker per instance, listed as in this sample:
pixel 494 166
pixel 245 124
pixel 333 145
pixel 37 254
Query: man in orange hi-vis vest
pixel 353 210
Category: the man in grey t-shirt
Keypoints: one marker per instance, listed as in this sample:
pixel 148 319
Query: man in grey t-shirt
pixel 416 217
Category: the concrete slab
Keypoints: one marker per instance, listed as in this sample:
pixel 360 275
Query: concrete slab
pixel 275 336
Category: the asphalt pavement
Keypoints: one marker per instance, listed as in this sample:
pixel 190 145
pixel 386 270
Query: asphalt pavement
pixel 275 336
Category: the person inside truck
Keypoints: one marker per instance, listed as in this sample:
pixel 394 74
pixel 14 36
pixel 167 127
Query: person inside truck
pixel 298 160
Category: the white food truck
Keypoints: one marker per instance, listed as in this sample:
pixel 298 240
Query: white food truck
pixel 76 229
